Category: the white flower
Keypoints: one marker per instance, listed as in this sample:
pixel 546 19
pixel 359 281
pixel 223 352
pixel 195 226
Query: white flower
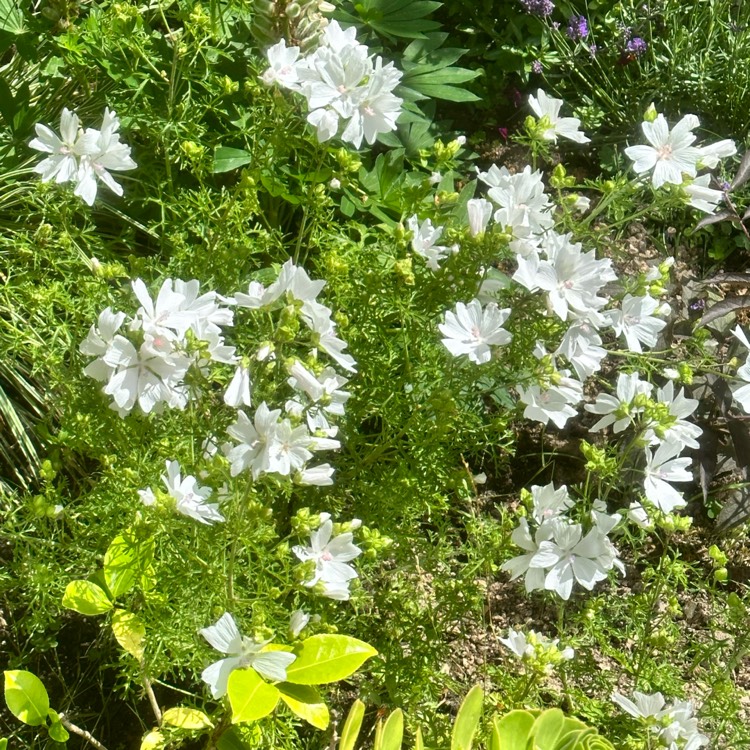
pixel 549 502
pixel 571 558
pixel 663 467
pixel 581 345
pixel 321 324
pixel 479 211
pixel 525 210
pixel 710 155
pixel 318 476
pixel 256 440
pixel 621 410
pixel 98 342
pixel 324 389
pixel 283 66
pixel 298 622
pixel 547 109
pixel 643 705
pixel 527 646
pixel 701 196
pixel 238 390
pixel 675 428
pixel 471 330
pixel 109 155
pixel 516 643
pixel 554 403
pixel 330 556
pixel 65 151
pixel 190 498
pixel 635 320
pixel 742 394
pixel 670 154
pixel 423 242
pixel 242 652
pixel 162 318
pixel 522 564
pixel 570 277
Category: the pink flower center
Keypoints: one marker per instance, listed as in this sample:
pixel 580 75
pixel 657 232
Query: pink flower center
pixel 326 556
pixel 664 152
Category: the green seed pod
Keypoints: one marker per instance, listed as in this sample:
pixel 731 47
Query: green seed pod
pixel 293 10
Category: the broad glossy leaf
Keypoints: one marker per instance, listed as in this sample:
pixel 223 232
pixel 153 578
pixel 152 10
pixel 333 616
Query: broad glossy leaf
pixel 186 718
pixel 352 725
pixel 467 719
pixel 226 159
pixel 129 631
pixel 250 697
pixel 328 658
pixel 86 597
pixel 26 697
pixel 305 701
pixel 57 731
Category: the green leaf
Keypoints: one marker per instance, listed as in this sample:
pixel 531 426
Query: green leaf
pixel 512 731
pixel 305 701
pixel 231 740
pixel 26 697
pixel 352 725
pixel 186 718
pixel 226 159
pixel 547 728
pixel 467 719
pixel 327 658
pixel 390 735
pixel 251 698
pixel 127 557
pixel 418 741
pixel 3 744
pixel 56 730
pixel 129 631
pixel 86 597
pixel 11 17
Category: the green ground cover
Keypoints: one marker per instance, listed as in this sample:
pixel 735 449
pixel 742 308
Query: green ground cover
pixel 374 373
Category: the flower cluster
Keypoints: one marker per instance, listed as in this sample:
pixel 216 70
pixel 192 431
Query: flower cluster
pixel 343 83
pixel 558 554
pixel 424 239
pixel 330 555
pixel 540 653
pixel 83 156
pixel 661 424
pixel 671 158
pixel 145 361
pixel 672 723
pixel 160 356
pixel 542 8
pixel 578 28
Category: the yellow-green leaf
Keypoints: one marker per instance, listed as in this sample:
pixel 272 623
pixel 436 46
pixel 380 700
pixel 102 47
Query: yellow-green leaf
pixel 129 631
pixel 250 697
pixel 391 734
pixel 467 719
pixel 186 718
pixel 418 741
pixel 86 597
pixel 127 557
pixel 305 702
pixel 154 740
pixel 26 697
pixel 327 658
pixel 352 725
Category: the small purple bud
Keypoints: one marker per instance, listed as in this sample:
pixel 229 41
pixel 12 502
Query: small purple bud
pixel 578 28
pixel 536 67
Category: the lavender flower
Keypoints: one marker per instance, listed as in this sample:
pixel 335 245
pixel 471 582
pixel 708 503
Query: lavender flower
pixel 536 67
pixel 636 46
pixel 578 28
pixel 593 50
pixel 541 8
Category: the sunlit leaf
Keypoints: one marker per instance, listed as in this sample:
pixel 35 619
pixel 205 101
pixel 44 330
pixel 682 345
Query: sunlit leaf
pixel 86 597
pixel 328 658
pixel 250 697
pixel 26 697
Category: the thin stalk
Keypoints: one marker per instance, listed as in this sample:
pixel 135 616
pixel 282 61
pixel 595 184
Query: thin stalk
pixel 71 727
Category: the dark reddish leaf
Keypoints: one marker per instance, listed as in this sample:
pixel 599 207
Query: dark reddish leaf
pixel 729 278
pixel 723 215
pixel 720 309
pixel 743 172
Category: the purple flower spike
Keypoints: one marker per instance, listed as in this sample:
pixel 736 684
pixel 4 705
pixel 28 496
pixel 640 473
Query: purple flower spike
pixel 542 8
pixel 636 46
pixel 578 28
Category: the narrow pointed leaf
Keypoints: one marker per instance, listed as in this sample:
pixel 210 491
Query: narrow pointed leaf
pixel 743 172
pixel 392 733
pixel 726 306
pixel 226 159
pixel 723 215
pixel 352 725
pixel 467 719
